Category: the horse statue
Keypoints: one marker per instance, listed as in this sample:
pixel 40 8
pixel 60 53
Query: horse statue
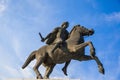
pixel 72 48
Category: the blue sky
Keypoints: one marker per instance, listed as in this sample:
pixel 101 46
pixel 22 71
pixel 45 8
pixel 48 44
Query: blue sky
pixel 22 20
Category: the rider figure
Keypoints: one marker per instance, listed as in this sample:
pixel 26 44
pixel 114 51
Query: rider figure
pixel 57 36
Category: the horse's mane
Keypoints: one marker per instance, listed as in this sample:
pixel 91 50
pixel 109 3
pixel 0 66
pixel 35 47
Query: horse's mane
pixel 71 30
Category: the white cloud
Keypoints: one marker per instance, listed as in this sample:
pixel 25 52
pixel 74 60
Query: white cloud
pixel 115 16
pixel 27 73
pixel 17 47
pixel 101 19
pixel 18 73
pixel 10 50
pixel 11 70
pixel 3 6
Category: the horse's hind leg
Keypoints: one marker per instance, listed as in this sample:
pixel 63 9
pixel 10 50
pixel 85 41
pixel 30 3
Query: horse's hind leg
pixel 35 68
pixel 49 69
pixel 85 58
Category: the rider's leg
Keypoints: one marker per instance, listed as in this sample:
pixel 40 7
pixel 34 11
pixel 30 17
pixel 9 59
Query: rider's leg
pixel 64 69
pixel 55 47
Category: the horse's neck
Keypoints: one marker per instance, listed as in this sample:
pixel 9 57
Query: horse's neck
pixel 75 38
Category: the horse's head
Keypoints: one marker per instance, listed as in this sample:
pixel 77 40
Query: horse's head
pixel 84 31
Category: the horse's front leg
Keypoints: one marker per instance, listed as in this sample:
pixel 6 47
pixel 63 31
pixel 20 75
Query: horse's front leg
pixel 83 45
pixel 86 58
pixel 92 49
pixel 100 65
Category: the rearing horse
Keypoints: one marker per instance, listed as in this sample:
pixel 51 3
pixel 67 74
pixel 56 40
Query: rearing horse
pixel 73 48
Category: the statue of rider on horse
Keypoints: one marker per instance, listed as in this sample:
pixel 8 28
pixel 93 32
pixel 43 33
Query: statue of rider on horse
pixel 62 46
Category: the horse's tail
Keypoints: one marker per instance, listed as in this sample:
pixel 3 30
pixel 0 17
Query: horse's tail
pixel 29 59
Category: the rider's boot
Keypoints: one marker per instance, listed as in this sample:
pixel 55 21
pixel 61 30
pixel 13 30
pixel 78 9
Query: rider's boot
pixel 55 47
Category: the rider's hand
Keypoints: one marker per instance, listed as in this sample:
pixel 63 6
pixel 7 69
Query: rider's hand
pixel 43 40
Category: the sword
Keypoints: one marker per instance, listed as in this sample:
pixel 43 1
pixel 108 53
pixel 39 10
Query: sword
pixel 42 39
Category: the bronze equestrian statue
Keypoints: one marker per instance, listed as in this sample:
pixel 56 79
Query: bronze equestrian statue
pixel 72 48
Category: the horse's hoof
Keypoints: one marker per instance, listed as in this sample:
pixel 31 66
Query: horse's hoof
pixel 45 77
pixel 39 77
pixel 101 69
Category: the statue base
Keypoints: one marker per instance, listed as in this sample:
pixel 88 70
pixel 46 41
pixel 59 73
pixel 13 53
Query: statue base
pixel 42 79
